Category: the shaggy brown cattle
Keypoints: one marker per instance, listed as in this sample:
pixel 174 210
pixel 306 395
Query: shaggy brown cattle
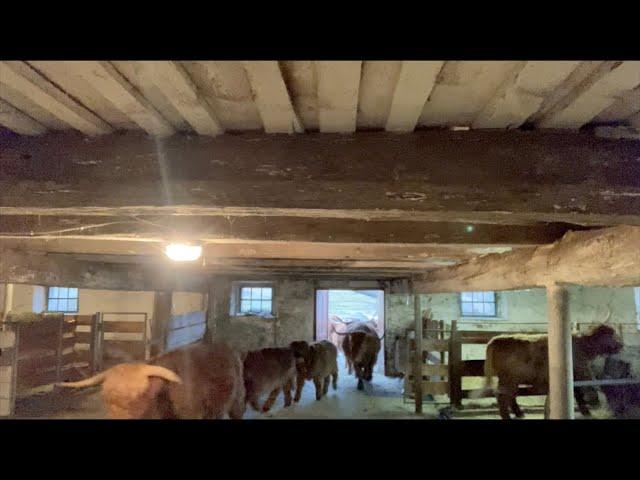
pixel 623 400
pixel 302 354
pixel 269 370
pixel 200 381
pixel 523 359
pixel 320 364
pixel 361 347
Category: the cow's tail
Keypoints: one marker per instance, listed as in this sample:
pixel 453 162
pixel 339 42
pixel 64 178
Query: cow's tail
pixel 148 370
pixel 487 389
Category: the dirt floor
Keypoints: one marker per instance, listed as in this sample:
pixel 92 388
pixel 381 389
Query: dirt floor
pixel 382 399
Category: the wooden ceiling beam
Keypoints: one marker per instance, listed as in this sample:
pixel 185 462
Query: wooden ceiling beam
pixel 174 82
pixel 272 97
pixel 606 257
pixel 15 120
pixel 338 86
pixel 523 92
pixel 497 177
pixel 26 80
pixel 415 83
pixel 117 89
pixel 598 92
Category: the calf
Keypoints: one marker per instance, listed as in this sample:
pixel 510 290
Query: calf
pixel 269 370
pixel 523 359
pixel 361 347
pixel 623 400
pixel 318 362
pixel 200 381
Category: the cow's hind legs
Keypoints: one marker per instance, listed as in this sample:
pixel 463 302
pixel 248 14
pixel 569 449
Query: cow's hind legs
pixel 335 380
pixel 299 387
pixel 271 400
pixel 325 386
pixel 582 404
pixel 287 392
pixel 317 381
pixel 515 408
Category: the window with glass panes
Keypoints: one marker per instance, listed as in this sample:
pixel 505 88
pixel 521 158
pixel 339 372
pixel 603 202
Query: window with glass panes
pixel 62 299
pixel 478 304
pixel 256 300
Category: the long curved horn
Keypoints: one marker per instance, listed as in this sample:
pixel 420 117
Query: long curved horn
pixel 161 372
pixel 606 320
pixel 87 382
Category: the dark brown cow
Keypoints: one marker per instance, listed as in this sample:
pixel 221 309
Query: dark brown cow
pixel 269 370
pixel 200 381
pixel 361 347
pixel 523 359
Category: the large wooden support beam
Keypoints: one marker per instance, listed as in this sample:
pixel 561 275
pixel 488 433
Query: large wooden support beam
pixel 560 355
pixel 18 267
pixel 494 177
pixel 605 257
pixel 417 359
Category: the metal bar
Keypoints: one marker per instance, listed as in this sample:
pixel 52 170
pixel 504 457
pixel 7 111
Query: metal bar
pixel 608 381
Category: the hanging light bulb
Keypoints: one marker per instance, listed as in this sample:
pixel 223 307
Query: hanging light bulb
pixel 182 252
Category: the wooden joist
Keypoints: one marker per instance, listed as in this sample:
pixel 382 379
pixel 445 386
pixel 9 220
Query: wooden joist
pixel 174 82
pixel 272 97
pixel 15 120
pixel 415 83
pixel 24 79
pixel 338 85
pixel 104 76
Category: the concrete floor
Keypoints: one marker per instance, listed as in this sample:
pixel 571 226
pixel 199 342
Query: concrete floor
pixel 382 399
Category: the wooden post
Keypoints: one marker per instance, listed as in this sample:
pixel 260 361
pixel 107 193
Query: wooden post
pixel 417 358
pixel 59 351
pixel 162 306
pixel 560 355
pixel 455 357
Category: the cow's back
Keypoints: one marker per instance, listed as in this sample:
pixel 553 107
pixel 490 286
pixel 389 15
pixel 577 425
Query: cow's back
pixel 324 359
pixel 212 379
pixel 268 368
pixel 519 357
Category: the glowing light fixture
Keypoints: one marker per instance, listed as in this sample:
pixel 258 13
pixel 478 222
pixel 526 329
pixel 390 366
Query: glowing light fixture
pixel 469 228
pixel 180 252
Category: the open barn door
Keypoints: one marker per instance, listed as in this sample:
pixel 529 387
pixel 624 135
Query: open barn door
pixel 336 309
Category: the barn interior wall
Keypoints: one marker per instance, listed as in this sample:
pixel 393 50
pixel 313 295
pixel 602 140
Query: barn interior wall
pixel 32 298
pixel 293 317
pixel 518 310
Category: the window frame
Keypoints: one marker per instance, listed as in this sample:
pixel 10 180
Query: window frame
pixel 66 312
pixel 237 302
pixel 496 303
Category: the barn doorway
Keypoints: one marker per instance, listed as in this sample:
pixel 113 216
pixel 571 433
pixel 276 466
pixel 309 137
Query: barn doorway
pixel 336 308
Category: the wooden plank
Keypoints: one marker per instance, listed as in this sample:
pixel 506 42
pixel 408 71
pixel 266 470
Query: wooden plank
pixel 104 76
pixel 23 78
pixel 523 92
pixel 180 90
pixel 84 319
pixel 28 365
pixel 427 189
pixel 435 388
pixel 600 91
pixel 338 85
pixel 415 83
pixel 19 122
pixel 113 348
pixel 429 370
pixel 522 392
pixel 272 97
pixel 435 345
pixel 123 327
pixel 83 337
pixel 605 257
pixel 455 359
pixel 36 379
